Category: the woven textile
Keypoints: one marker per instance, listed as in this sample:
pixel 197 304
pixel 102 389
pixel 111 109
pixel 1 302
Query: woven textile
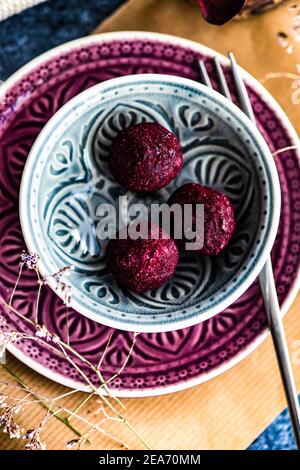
pixel 11 7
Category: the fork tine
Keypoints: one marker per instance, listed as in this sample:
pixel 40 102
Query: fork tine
pixel 241 88
pixel 203 74
pixel 221 78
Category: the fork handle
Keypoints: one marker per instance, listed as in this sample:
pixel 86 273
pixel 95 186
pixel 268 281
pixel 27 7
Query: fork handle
pixel 268 288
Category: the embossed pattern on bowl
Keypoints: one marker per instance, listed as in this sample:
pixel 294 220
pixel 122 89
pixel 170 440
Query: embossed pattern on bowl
pixel 67 177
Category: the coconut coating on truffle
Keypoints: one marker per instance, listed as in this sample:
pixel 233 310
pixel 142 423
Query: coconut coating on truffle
pixel 145 157
pixel 143 264
pixel 219 220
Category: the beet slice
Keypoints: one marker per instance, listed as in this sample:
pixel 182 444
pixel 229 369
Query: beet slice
pixel 220 11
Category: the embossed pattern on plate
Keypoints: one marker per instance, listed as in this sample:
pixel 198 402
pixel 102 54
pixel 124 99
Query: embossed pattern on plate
pixel 161 362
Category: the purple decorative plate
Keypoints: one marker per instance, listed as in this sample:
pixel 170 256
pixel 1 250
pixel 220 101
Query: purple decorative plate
pixel 161 362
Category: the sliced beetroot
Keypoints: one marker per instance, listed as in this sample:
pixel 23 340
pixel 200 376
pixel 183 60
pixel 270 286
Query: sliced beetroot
pixel 220 11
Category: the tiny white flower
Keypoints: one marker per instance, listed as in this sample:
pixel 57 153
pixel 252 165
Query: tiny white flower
pixel 42 332
pixel 29 259
pixel 56 339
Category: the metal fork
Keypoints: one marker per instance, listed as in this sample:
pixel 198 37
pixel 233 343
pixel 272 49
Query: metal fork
pixel 266 277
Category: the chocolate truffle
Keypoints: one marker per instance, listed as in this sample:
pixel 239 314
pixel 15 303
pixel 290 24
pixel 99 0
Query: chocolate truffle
pixel 145 157
pixel 219 220
pixel 143 264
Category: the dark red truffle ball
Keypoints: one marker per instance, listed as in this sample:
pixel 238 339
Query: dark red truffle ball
pixel 143 264
pixel 145 157
pixel 219 220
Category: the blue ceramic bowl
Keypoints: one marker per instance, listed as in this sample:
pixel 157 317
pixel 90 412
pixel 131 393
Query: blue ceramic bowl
pixel 67 176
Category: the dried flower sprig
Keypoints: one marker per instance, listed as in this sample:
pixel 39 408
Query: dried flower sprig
pixel 45 404
pixel 76 360
pixel 295 84
pixel 288 38
pixel 51 403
